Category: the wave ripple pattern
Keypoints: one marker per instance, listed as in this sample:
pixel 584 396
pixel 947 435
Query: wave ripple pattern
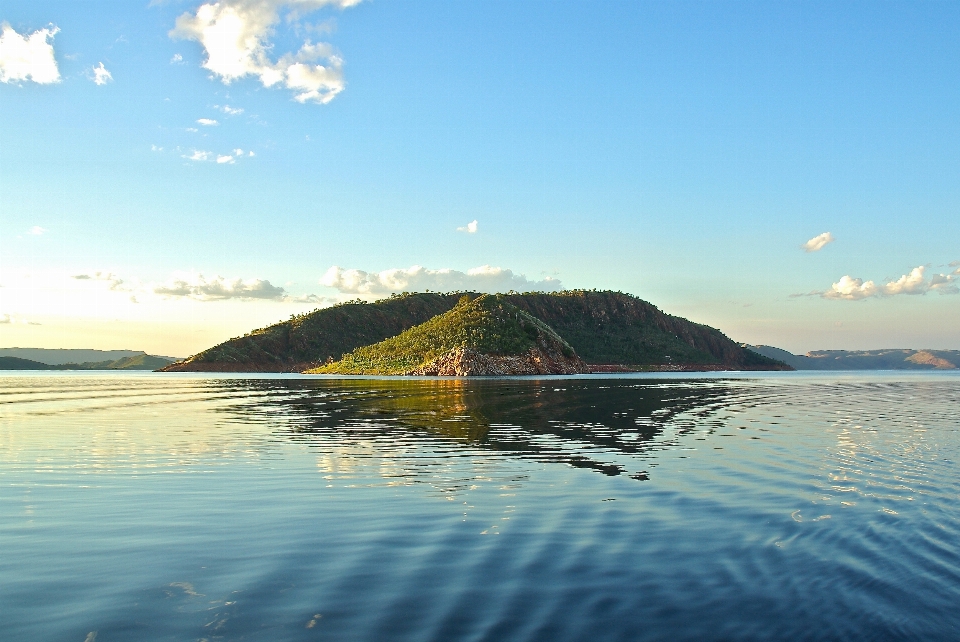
pixel 192 507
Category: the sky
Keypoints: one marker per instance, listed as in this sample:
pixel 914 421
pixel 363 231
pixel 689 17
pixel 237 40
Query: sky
pixel 176 173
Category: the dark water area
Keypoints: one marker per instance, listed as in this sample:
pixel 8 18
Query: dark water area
pixel 189 507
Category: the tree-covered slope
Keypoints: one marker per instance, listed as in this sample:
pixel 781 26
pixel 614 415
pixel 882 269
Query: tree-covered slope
pixel 309 340
pixel 617 328
pixel 482 327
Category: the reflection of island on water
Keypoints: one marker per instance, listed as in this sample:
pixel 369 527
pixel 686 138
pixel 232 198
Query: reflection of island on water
pixel 608 425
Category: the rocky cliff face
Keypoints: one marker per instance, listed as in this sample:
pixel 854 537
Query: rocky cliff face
pixel 539 360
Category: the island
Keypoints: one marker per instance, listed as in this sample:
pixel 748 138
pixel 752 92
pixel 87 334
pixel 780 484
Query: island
pixel 471 334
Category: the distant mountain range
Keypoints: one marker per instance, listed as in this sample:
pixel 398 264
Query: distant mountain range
pixel 69 359
pixel 606 332
pixel 892 359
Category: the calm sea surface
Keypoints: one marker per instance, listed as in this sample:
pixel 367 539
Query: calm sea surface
pixel 190 507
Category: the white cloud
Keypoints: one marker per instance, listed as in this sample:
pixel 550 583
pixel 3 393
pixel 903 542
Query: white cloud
pixel 36 230
pixel 228 110
pixel 851 289
pixel 176 60
pixel 417 279
pixel 8 319
pixel 101 76
pixel 207 122
pixel 115 283
pixel 236 36
pixel 469 228
pixel 229 158
pixel 28 57
pixel 198 287
pixel 818 242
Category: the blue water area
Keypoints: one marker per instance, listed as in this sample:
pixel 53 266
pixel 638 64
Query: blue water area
pixel 726 507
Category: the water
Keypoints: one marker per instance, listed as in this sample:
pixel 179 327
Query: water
pixel 191 507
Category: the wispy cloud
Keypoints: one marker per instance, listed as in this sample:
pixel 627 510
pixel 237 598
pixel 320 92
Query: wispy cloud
pixel 36 230
pixel 177 59
pixel 28 57
pixel 849 288
pixel 417 279
pixel 199 155
pixel 469 228
pixel 228 110
pixel 100 75
pixel 207 122
pixel 236 37
pixel 9 319
pixel 194 286
pixel 115 283
pixel 229 158
pixel 198 287
pixel 818 242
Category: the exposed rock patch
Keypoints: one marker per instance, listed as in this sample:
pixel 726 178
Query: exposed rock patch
pixel 539 360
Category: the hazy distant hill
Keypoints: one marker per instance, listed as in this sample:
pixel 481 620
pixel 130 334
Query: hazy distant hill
pixel 892 359
pixel 16 363
pixel 133 361
pixel 56 357
pixel 604 328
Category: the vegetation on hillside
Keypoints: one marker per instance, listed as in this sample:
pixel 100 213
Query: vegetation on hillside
pixel 487 324
pixel 309 340
pixel 617 328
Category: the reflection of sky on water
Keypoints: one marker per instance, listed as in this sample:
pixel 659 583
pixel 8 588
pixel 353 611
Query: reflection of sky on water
pixel 190 507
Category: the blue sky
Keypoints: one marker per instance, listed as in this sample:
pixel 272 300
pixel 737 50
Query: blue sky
pixel 683 152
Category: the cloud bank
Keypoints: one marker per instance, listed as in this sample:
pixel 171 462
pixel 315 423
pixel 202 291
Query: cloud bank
pixel 849 288
pixel 200 288
pixel 417 279
pixel 28 57
pixel 818 242
pixel 236 37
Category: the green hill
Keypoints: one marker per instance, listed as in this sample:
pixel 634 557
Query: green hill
pixel 481 336
pixel 616 328
pixel 309 340
pixel 610 329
